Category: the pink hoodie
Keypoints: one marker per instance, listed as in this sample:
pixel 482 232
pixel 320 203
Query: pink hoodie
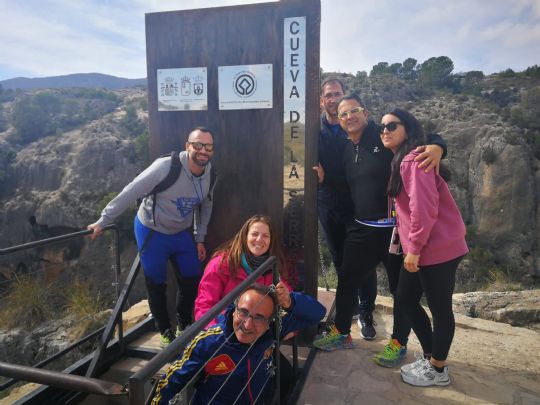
pixel 428 218
pixel 217 282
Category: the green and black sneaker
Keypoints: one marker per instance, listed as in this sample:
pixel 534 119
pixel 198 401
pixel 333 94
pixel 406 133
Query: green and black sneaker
pixel 166 338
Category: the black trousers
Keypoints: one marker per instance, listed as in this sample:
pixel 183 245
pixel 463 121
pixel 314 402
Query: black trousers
pixel 366 247
pixel 437 282
pixel 334 225
pixel 185 300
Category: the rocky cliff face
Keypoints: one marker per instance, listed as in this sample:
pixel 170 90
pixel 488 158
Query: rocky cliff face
pixel 55 183
pixel 58 181
pixel 495 181
pixel 54 186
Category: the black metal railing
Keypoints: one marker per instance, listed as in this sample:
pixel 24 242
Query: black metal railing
pixel 135 388
pixel 55 378
pixel 34 374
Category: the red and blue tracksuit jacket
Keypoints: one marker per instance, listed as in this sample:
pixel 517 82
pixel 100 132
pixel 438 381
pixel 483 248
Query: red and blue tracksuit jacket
pixel 223 359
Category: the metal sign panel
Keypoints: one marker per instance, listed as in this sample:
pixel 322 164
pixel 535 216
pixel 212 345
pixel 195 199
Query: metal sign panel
pixel 250 141
pixel 294 119
pixel 182 89
pixel 245 87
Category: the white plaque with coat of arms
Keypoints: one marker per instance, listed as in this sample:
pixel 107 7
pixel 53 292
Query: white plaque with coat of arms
pixel 182 89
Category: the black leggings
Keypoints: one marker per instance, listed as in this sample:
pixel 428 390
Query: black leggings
pixel 437 282
pixel 365 248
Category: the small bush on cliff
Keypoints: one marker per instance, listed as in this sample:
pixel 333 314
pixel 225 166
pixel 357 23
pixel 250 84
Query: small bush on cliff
pixel 502 278
pixel 7 156
pixel 141 146
pixel 84 303
pixel 131 124
pixel 328 277
pixel 27 303
pixel 83 300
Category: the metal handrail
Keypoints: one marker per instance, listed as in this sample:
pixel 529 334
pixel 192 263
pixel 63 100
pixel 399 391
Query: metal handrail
pixel 34 374
pixel 115 318
pixel 62 380
pixel 54 239
pixel 55 356
pixel 137 380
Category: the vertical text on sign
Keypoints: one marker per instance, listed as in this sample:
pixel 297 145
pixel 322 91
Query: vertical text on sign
pixel 294 93
pixel 294 113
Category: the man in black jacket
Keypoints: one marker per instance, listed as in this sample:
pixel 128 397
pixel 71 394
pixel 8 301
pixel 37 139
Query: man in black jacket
pixel 335 206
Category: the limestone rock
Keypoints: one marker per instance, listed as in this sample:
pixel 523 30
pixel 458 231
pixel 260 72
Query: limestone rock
pixel 517 308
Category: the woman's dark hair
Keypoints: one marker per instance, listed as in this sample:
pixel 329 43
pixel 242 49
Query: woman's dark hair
pixel 415 137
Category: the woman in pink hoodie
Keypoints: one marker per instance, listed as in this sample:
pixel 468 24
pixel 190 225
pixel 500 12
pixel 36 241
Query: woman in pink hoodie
pixel 236 259
pixel 432 236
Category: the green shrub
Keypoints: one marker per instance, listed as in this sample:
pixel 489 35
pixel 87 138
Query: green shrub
pixel 142 147
pixel 82 300
pixel 28 303
pixel 502 278
pixel 328 277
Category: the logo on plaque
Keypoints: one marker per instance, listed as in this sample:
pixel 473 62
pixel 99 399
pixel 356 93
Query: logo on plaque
pixel 198 86
pixel 244 84
pixel 169 87
pixel 185 86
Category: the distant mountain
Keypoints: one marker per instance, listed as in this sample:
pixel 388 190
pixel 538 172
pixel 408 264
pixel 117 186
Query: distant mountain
pixel 95 80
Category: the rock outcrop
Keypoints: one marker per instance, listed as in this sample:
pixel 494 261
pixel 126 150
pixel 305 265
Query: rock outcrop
pixel 57 182
pixel 517 308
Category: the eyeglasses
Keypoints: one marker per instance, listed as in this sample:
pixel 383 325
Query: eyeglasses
pixel 258 320
pixel 390 126
pixel 345 114
pixel 209 147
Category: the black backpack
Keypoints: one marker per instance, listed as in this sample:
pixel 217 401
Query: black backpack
pixel 170 179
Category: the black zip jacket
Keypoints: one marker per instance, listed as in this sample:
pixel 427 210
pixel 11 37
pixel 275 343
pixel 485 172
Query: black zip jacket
pixel 367 170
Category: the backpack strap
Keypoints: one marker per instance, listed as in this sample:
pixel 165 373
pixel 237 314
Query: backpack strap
pixel 213 178
pixel 168 181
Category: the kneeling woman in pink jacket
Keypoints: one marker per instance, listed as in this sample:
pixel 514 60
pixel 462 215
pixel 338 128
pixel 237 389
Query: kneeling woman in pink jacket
pixel 234 261
pixel 432 235
pixel 237 258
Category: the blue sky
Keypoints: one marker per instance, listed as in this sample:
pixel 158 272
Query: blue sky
pixel 55 37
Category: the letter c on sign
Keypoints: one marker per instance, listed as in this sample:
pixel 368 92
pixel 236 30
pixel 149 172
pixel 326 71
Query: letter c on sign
pixel 291 27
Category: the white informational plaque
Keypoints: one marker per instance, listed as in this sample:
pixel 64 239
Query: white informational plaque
pixel 245 87
pixel 182 89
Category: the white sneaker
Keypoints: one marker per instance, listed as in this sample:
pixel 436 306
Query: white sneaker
pixel 420 362
pixel 427 376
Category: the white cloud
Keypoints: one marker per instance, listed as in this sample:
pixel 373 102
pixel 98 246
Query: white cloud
pixel 54 37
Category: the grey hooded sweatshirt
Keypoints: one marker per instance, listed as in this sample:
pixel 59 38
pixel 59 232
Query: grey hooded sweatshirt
pixel 175 207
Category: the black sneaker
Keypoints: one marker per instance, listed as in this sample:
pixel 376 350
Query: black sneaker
pixel 367 326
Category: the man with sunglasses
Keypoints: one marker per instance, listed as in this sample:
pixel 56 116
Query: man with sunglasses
pixel 163 223
pixel 232 360
pixel 366 163
pixel 334 203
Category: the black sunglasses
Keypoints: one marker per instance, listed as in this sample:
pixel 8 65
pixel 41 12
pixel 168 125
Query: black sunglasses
pixel 390 126
pixel 209 147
